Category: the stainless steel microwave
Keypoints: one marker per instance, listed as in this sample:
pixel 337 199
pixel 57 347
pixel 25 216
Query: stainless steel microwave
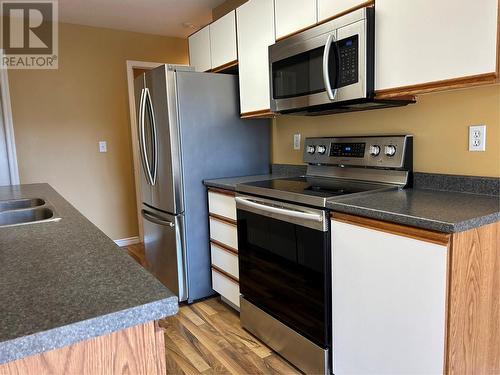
pixel 328 68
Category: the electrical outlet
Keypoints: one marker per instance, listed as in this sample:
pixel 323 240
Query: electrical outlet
pixel 103 146
pixel 296 141
pixel 477 138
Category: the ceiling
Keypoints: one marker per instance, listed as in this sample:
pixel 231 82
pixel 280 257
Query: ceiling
pixel 160 17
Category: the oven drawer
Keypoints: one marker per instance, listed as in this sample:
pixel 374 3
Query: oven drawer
pixel 222 205
pixel 226 287
pixel 223 232
pixel 224 259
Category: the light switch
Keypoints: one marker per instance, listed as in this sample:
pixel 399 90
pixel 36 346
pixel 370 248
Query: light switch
pixel 296 141
pixel 103 146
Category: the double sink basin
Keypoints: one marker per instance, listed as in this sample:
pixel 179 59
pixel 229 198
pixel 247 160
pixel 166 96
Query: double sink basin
pixel 25 211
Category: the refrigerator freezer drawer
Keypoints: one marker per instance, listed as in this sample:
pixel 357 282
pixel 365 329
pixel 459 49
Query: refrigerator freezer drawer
pixel 164 249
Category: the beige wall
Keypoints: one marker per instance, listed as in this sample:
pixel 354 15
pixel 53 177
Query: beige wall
pixel 60 115
pixel 439 123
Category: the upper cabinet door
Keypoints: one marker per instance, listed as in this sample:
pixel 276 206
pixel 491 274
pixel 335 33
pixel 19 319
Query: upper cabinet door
pixel 330 8
pixel 255 20
pixel 423 41
pixel 199 50
pixel 294 15
pixel 223 40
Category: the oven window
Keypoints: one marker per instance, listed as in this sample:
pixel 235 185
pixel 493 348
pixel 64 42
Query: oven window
pixel 302 74
pixel 285 271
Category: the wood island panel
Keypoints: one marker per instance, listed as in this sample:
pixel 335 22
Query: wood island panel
pixel 136 350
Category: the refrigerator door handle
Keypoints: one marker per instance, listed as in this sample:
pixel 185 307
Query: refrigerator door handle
pixel 142 141
pixel 154 219
pixel 150 108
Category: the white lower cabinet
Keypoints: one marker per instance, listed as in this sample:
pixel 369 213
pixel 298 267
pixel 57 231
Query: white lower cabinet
pixel 226 287
pixel 224 245
pixel 388 301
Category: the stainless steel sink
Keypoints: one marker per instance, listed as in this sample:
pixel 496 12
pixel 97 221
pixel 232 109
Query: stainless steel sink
pixel 26 211
pixel 17 204
pixel 26 216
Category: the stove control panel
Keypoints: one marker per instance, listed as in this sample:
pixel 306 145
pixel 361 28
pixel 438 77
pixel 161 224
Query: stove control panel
pixel 373 151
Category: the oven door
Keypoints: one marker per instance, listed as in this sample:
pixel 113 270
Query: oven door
pixel 284 263
pixel 311 70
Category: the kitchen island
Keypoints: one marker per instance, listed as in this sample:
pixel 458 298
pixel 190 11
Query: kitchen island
pixel 71 301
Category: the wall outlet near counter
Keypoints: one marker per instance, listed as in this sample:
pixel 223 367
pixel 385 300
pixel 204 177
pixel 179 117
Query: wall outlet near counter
pixel 477 138
pixel 103 146
pixel 296 141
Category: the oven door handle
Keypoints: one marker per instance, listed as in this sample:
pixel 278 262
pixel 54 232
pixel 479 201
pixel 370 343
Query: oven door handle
pixel 332 94
pixel 246 202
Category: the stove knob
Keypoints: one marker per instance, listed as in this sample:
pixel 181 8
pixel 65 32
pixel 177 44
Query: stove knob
pixel 321 149
pixel 311 149
pixel 390 150
pixel 374 150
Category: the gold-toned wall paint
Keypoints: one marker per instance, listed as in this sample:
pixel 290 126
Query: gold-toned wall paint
pixel 60 115
pixel 439 123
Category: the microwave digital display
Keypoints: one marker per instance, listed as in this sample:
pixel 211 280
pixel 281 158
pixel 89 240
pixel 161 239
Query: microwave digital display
pixel 353 150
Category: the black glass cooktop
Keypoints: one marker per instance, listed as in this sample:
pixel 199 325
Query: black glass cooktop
pixel 308 190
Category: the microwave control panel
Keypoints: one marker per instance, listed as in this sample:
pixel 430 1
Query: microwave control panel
pixel 348 55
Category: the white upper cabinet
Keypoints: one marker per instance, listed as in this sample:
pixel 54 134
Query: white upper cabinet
pixel 223 40
pixel 255 20
pixel 199 50
pixel 388 302
pixel 294 15
pixel 422 41
pixel 330 8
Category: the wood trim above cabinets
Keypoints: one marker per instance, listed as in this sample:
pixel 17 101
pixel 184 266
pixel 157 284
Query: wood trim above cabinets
pixel 224 66
pixel 363 5
pixel 400 230
pixel 224 247
pixel 222 191
pixel 225 274
pixel 264 113
pixel 447 84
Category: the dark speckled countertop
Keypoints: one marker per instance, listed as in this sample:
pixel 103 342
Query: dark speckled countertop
pixel 63 282
pixel 442 211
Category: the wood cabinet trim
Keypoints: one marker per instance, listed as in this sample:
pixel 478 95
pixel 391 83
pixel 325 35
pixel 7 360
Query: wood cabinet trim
pixel 222 219
pixel 473 341
pixel 352 9
pixel 222 191
pixel 264 113
pixel 225 66
pixel 397 229
pixel 225 274
pixel 447 84
pixel 224 247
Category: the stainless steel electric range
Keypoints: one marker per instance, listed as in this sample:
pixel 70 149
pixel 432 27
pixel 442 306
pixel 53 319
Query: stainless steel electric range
pixel 284 241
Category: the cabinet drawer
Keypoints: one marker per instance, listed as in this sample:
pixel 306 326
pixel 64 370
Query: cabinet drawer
pixel 224 259
pixel 222 205
pixel 226 287
pixel 224 233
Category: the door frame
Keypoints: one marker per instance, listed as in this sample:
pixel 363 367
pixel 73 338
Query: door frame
pixel 131 65
pixel 7 123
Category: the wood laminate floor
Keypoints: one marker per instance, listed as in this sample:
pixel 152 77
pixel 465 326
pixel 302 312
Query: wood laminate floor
pixel 206 338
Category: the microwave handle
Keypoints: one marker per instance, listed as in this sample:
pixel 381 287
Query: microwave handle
pixel 332 93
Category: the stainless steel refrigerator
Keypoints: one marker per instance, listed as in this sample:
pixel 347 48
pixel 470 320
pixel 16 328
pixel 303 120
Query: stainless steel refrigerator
pixel 189 130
